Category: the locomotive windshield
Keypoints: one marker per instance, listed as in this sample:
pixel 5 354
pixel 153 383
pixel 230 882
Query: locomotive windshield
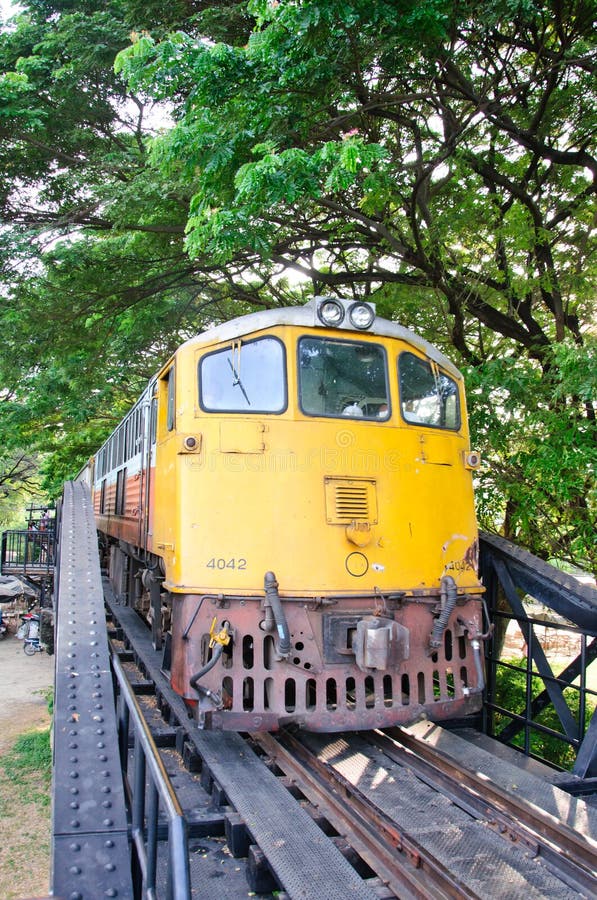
pixel 244 377
pixel 342 378
pixel 427 395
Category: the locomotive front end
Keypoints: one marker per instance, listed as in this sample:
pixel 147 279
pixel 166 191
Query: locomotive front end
pixel 313 516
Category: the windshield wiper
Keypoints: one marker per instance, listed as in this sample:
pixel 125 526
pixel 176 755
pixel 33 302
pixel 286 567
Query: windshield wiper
pixel 238 382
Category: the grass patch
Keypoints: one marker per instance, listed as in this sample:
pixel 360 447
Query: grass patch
pixel 28 766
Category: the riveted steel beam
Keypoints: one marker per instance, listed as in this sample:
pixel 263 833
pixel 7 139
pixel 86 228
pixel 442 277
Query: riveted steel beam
pixel 90 845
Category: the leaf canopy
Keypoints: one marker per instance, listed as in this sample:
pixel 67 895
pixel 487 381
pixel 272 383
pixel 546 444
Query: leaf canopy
pixel 164 167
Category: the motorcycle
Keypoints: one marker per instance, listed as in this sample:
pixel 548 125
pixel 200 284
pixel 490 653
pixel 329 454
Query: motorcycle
pixel 28 632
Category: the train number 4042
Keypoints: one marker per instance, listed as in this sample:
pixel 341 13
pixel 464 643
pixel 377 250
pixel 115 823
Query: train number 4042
pixel 234 562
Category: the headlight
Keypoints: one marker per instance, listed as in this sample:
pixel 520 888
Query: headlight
pixel 331 313
pixel 361 315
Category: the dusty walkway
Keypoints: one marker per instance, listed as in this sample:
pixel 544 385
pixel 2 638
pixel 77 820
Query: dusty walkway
pixel 25 850
pixel 24 681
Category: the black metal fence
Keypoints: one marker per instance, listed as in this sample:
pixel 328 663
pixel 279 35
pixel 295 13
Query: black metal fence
pixel 28 552
pixel 149 790
pixel 539 699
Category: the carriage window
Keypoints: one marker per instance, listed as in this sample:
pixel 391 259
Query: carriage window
pixel 244 377
pixel 343 378
pixel 120 501
pixel 427 395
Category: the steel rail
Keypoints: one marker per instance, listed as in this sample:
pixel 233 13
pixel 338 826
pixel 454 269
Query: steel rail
pixel 147 761
pixel 400 862
pixel 572 856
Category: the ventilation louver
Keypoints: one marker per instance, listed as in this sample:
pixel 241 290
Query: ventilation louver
pixel 350 500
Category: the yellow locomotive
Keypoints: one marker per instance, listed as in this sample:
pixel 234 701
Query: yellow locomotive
pixel 290 502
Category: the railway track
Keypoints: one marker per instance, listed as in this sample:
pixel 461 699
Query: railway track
pixel 147 805
pixel 410 813
pixel 364 814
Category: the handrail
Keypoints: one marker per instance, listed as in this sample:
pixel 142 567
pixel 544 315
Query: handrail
pixel 27 552
pixel 560 591
pixel 509 572
pixel 148 762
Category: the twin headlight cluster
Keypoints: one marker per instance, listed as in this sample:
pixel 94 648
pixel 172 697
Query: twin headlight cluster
pixel 345 314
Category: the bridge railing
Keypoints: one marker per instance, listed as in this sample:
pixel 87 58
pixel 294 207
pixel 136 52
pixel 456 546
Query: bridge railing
pixel 512 577
pixel 149 789
pixel 28 553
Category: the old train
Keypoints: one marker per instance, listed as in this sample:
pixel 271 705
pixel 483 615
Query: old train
pixel 290 504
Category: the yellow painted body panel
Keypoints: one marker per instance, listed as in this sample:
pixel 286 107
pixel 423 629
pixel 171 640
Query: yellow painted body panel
pixel 253 496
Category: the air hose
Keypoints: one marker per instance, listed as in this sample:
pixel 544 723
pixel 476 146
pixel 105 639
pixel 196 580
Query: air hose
pixel 273 603
pixel 218 650
pixel 449 593
pixel 218 640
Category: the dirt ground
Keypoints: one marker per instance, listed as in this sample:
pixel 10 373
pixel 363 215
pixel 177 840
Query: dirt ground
pixel 25 845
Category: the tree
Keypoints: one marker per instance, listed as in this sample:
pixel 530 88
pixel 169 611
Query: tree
pixel 94 276
pixel 19 481
pixel 438 157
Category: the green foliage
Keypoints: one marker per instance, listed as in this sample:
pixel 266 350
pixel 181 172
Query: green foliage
pixel 164 167
pixel 20 482
pixel 539 449
pixel 511 695
pixel 29 766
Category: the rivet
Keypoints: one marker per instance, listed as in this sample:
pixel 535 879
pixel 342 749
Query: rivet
pixel 75 823
pixel 74 790
pixel 74 870
pixel 107 804
pixel 109 843
pixel 108 822
pixel 73 774
pixel 75 847
pixel 111 892
pixel 109 867
pixel 74 805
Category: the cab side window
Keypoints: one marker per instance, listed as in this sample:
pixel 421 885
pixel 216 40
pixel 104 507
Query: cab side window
pixel 427 395
pixel 171 409
pixel 166 404
pixel 244 377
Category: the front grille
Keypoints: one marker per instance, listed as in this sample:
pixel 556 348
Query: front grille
pixel 350 500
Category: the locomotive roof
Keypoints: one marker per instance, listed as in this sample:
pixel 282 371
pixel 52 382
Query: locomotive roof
pixel 306 316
